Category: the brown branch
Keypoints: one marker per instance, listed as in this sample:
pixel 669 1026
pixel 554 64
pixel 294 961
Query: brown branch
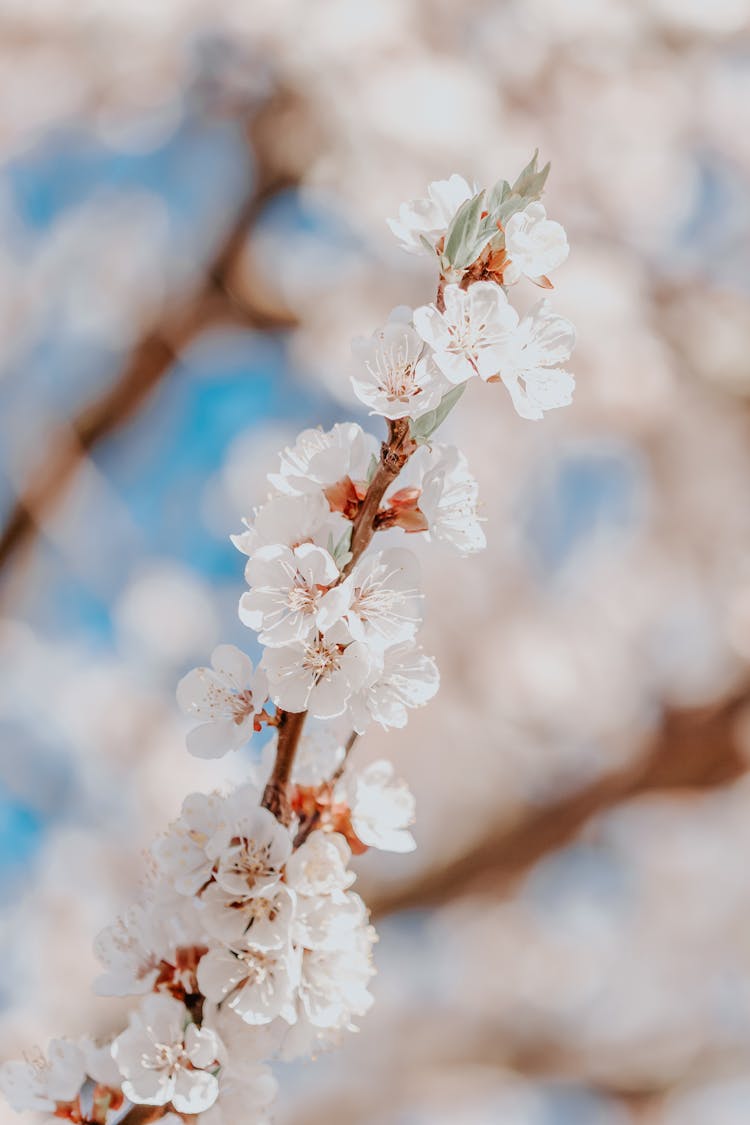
pixel 695 749
pixel 144 1114
pixel 276 793
pixel 394 454
pixel 214 301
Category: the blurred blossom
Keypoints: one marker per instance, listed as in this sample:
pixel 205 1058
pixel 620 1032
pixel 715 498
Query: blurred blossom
pixel 166 616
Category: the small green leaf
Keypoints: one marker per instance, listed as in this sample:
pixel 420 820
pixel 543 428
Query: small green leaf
pixel 530 183
pixel 462 232
pixel 423 428
pixel 372 468
pixel 340 553
pixel 496 196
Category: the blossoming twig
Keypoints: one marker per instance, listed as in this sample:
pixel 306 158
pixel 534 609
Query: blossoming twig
pixel 249 943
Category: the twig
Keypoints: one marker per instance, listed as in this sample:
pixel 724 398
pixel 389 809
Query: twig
pixel 152 357
pixel 394 454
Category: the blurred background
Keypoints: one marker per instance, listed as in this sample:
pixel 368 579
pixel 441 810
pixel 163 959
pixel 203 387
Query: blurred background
pixel 192 227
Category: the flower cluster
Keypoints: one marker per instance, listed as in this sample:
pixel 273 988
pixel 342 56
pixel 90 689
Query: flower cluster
pixel 249 943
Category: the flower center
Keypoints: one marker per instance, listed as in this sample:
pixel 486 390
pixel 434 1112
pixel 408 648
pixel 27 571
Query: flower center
pixel 302 598
pixel 395 373
pixel 321 659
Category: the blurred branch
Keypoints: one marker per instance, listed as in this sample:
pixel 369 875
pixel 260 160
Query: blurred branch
pixel 694 749
pixel 214 301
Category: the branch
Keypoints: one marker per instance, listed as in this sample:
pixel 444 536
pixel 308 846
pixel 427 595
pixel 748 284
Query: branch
pixel 394 453
pixel 695 749
pixel 152 357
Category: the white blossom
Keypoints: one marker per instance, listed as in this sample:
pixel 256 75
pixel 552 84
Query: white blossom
pixel 541 341
pixel 137 948
pixel 99 1062
pixel 333 985
pixel 258 984
pixel 534 244
pixel 291 520
pixel 449 497
pixel 286 598
pixel 397 377
pixel 319 459
pixel 319 865
pixel 318 675
pixel 41 1083
pixel 329 922
pixel 243 1099
pixel 181 852
pixel 381 807
pixel 384 601
pixel 248 850
pixel 430 218
pixel 163 1057
pixel 470 337
pixel 402 678
pixel 227 697
pixel 262 919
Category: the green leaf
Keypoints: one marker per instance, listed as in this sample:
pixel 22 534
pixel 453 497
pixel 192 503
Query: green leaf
pixel 530 183
pixel 497 195
pixel 372 468
pixel 423 428
pixel 462 233
pixel 340 553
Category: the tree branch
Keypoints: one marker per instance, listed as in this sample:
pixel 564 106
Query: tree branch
pixel 152 357
pixel 695 749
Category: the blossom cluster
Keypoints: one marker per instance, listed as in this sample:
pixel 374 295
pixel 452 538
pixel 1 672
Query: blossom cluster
pixel 249 943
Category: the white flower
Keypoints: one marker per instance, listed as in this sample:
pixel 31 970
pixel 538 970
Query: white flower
pixel 449 498
pixel 248 850
pixel 227 697
pixel 317 675
pixel 292 520
pixel 329 922
pixel 534 244
pixel 470 337
pixel 287 595
pixel 381 807
pixel 99 1062
pixel 163 1057
pixel 541 341
pixel 181 852
pixel 403 678
pixel 430 218
pixel 243 1099
pixel 257 984
pixel 143 945
pixel 334 983
pixel 40 1084
pixel 397 379
pixel 247 1087
pixel 384 599
pixel 319 866
pixel 261 919
pixel 320 459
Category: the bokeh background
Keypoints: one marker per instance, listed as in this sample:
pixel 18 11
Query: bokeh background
pixel 192 205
